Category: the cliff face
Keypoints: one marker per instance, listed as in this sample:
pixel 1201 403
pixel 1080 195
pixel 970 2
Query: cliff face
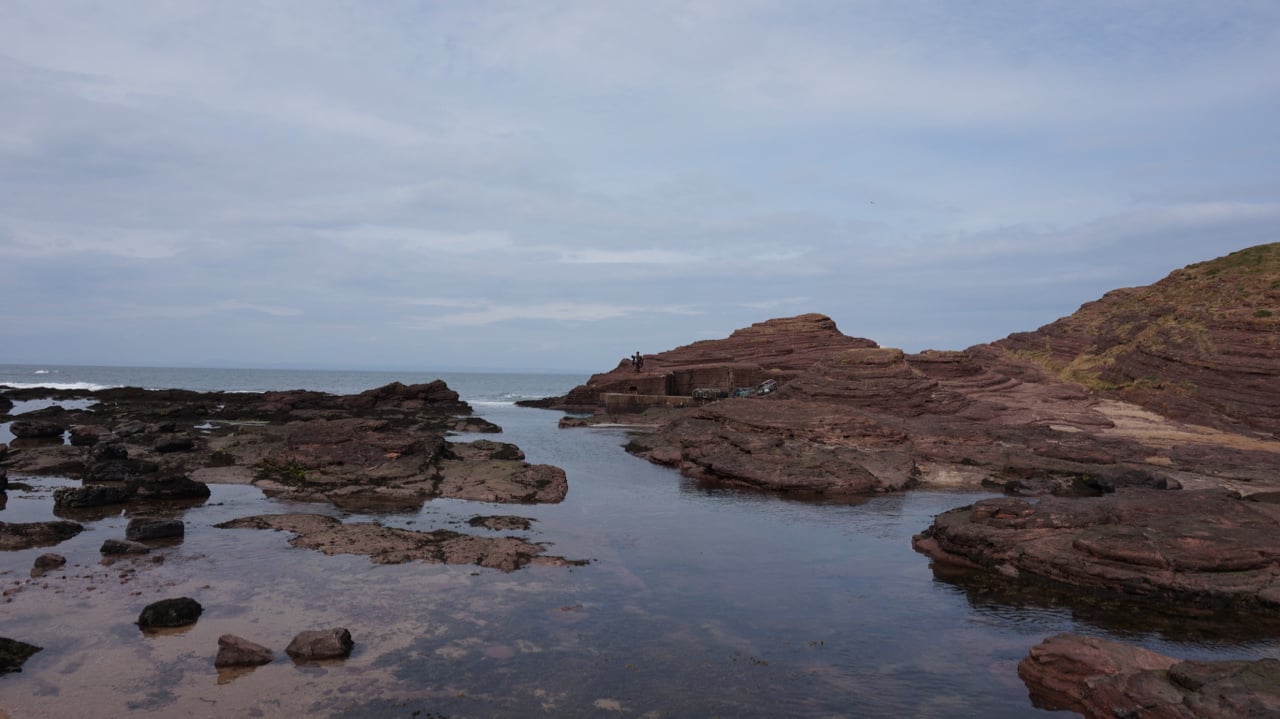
pixel 1201 345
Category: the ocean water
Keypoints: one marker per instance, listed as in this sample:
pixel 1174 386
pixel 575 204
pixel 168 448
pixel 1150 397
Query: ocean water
pixel 698 601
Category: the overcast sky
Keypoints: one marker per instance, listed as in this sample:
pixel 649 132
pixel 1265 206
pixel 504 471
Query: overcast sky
pixel 555 185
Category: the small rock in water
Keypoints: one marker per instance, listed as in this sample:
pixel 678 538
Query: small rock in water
pixel 177 612
pixel 123 546
pixel 144 528
pixel 236 651
pixel 47 562
pixel 321 644
pixel 13 654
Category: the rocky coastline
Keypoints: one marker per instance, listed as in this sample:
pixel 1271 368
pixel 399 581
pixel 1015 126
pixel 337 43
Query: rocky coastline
pixel 1134 443
pixel 153 454
pixel 1136 439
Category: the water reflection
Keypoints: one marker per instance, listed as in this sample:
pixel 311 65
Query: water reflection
pixel 1012 602
pixel 701 602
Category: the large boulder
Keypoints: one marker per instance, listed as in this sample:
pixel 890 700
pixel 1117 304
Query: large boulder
pixel 321 644
pixel 36 429
pixel 1104 679
pixel 177 612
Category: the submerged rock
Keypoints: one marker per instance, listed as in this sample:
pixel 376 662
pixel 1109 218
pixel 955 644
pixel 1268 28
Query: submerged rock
pixel 501 522
pixel 178 612
pixel 391 545
pixel 36 534
pixel 141 529
pixel 123 546
pixel 13 654
pixel 1104 679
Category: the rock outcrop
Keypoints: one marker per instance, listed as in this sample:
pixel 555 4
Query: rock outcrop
pixel 874 419
pixel 384 448
pixel 1103 679
pixel 1201 345
pixel 776 349
pixel 1192 551
pixel 1043 412
pixel 392 545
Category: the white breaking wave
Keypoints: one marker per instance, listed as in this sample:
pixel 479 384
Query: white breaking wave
pixel 90 386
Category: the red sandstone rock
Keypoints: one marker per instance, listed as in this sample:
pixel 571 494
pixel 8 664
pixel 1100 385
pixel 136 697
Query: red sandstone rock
pixel 392 545
pixel 1201 345
pixel 1179 550
pixel 774 349
pixel 1103 679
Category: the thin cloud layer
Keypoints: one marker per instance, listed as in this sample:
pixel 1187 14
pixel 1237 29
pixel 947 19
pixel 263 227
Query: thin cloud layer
pixel 531 185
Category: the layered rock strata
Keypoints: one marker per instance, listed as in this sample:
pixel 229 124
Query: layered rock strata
pixel 1103 679
pixel 1195 551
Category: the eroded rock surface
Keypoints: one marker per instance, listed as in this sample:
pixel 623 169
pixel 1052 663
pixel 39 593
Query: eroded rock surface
pixel 391 545
pixel 1104 679
pixel 1201 345
pixel 383 448
pixel 1127 392
pixel 25 535
pixel 1182 551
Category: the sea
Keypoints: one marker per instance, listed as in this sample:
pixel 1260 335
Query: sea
pixel 697 600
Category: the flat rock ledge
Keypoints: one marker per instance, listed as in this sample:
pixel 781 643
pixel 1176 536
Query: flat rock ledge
pixel 1178 551
pixel 1103 679
pixel 25 535
pixel 391 545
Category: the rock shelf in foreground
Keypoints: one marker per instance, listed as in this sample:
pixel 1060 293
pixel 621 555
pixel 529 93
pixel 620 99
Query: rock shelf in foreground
pixel 391 545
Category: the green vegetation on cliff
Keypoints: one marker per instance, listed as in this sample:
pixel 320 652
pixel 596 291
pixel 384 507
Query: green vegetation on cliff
pixel 1202 344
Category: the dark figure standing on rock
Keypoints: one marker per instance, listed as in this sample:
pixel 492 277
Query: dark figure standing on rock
pixel 637 360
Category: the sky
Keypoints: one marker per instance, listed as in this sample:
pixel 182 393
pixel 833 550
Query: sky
pixel 546 185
